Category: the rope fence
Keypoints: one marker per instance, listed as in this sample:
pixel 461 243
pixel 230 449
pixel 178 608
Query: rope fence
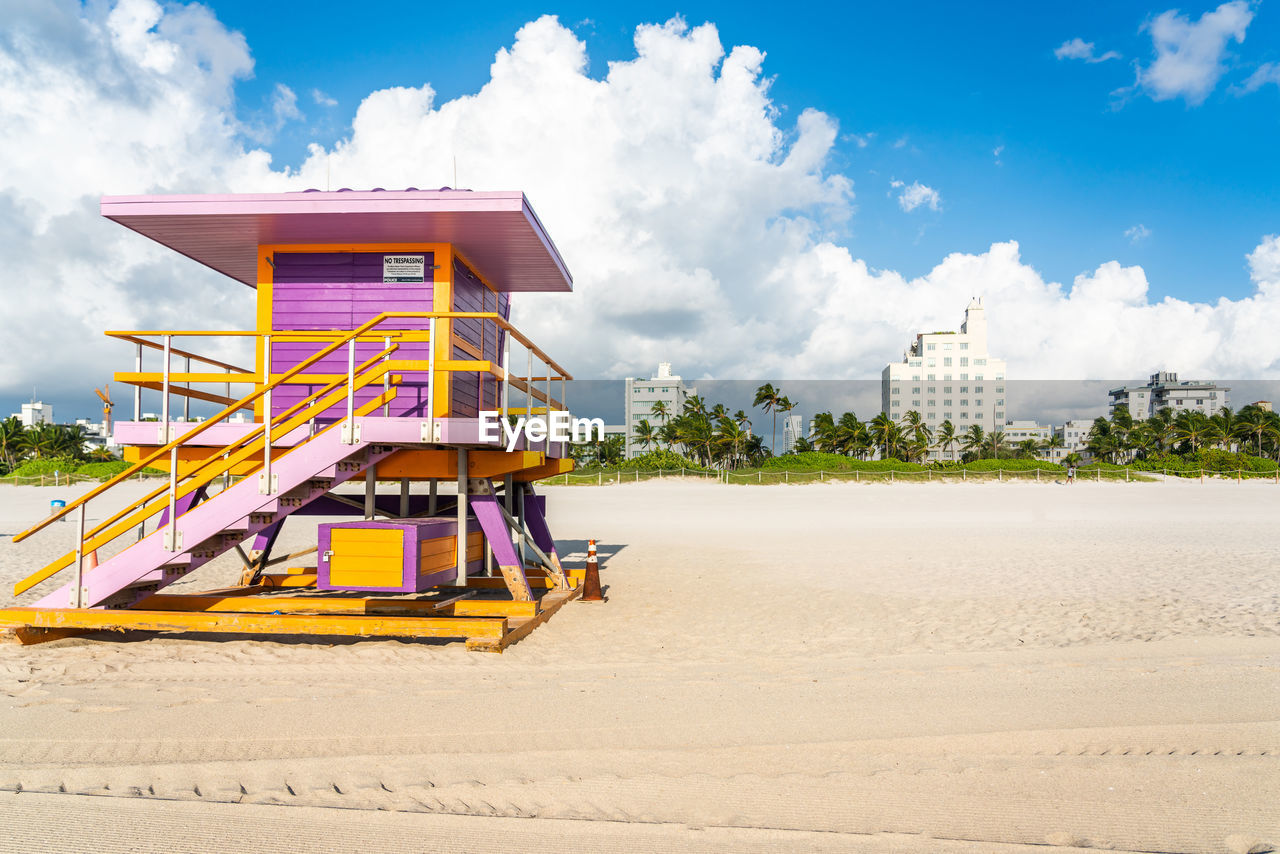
pixel 67 479
pixel 1038 475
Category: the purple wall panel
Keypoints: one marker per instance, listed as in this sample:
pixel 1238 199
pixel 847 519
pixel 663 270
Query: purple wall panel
pixel 341 290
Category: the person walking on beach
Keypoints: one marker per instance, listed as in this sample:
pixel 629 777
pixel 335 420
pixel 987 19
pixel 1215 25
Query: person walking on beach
pixel 1071 474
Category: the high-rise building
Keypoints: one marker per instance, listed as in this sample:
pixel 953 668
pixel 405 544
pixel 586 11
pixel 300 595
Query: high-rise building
pixel 641 397
pixel 34 413
pixel 948 376
pixel 792 429
pixel 1164 390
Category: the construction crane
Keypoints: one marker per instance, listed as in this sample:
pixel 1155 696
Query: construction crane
pixel 105 394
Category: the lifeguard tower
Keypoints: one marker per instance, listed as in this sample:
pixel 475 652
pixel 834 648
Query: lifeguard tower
pixel 383 332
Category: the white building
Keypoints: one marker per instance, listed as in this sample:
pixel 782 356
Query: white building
pixel 1016 432
pixel 948 376
pixel 642 394
pixel 792 429
pixel 1164 390
pixel 1074 436
pixel 35 413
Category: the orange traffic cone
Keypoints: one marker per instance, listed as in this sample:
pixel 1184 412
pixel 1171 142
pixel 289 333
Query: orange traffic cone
pixel 591 583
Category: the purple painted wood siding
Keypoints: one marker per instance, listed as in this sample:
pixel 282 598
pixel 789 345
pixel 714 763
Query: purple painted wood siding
pixel 469 387
pixel 342 290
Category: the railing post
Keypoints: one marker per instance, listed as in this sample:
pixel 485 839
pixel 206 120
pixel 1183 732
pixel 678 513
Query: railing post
pixel 461 579
pixel 264 479
pixel 386 378
pixel 186 398
pixel 506 376
pixel 171 535
pixel 546 445
pixel 528 389
pixel 77 595
pixel 431 376
pixel 349 433
pixel 164 391
pixel 137 390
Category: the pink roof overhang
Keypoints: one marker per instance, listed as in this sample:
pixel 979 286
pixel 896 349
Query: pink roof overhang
pixel 497 232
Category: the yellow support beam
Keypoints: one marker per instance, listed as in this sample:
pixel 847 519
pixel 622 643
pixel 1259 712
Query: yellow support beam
pixel 87 619
pixel 337 605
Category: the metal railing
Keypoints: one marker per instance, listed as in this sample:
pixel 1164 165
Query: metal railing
pixel 255 447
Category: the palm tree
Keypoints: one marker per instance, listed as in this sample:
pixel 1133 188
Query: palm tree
pixel 886 434
pixel 646 435
pixel 973 439
pixel 768 398
pixel 733 439
pixel 693 405
pixel 1102 440
pixel 1028 448
pixel 660 410
pixel 1051 444
pixel 996 439
pixel 947 436
pixel 917 430
pixel 852 437
pixel 1228 425
pixel 1251 422
pixel 1194 428
pixel 13 441
pixel 824 432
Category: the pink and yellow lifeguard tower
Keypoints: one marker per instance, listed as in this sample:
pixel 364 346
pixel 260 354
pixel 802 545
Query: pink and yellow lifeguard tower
pixel 383 332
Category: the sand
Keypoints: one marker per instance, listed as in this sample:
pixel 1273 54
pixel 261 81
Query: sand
pixel 831 667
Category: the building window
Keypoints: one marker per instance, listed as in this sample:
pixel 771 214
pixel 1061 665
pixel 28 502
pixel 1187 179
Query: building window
pixel 977 402
pixel 946 403
pixel 964 389
pixel 931 346
pixel 963 416
pixel 946 415
pixel 964 403
pixel 933 376
pixel 946 346
pixel 964 376
pixel 933 362
pixel 999 415
pixel 896 390
pixel 1200 402
pixel 915 377
pixel 933 389
pixel 1000 402
pixel 914 363
pixel 931 403
pixel 946 389
pixel 964 345
pixel 915 390
pixel 977 389
pixel 915 404
pixel 999 389
pixel 964 361
pixel 977 376
pixel 999 376
pixel 979 361
pixel 946 361
pixel 946 377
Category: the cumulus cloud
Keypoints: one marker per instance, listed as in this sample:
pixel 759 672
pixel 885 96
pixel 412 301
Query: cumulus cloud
pixel 697 219
pixel 1137 233
pixel 1078 48
pixel 1190 56
pixel 915 194
pixel 1268 72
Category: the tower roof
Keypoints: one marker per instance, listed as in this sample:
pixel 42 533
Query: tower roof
pixel 497 232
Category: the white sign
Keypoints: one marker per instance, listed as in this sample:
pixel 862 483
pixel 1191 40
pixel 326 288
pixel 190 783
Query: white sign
pixel 404 268
pixel 561 427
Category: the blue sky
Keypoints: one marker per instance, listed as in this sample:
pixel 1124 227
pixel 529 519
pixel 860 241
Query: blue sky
pixel 1103 175
pixel 933 90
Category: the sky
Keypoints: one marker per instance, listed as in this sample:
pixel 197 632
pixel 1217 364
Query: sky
pixel 745 194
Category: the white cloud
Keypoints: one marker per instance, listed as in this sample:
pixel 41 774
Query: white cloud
pixel 696 221
pixel 1137 233
pixel 1078 48
pixel 323 99
pixel 1190 57
pixel 1268 72
pixel 915 194
pixel 995 154
pixel 284 105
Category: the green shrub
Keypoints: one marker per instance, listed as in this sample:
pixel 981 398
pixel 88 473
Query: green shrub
pixel 1021 464
pixel 1211 459
pixel 655 460
pixel 35 468
pixel 808 461
pixel 103 470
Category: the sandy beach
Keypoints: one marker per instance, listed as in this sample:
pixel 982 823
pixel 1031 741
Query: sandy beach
pixel 833 667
